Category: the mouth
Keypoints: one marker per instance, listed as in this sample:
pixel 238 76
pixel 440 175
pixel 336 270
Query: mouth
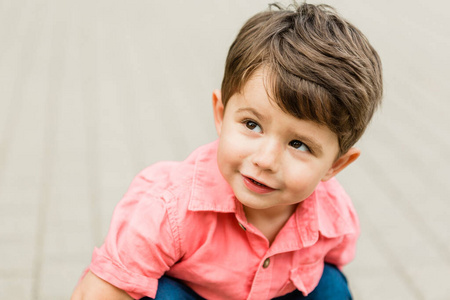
pixel 256 182
pixel 256 186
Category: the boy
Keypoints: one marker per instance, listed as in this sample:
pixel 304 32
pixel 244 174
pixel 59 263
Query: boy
pixel 258 213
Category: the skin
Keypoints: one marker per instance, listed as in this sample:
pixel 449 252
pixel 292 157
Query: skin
pixel 287 156
pixel 93 287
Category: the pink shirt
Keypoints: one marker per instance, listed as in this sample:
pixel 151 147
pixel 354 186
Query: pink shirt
pixel 182 219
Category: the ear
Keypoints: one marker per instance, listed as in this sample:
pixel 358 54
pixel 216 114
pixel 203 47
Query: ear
pixel 342 162
pixel 218 109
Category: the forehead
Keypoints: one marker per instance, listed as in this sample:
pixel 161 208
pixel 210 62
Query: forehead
pixel 265 82
pixel 259 86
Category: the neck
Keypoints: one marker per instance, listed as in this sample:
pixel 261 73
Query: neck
pixel 269 221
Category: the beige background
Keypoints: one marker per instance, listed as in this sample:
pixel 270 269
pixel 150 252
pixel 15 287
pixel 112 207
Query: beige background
pixel 93 91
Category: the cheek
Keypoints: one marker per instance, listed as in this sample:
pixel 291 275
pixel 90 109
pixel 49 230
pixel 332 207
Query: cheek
pixel 301 179
pixel 233 144
pixel 227 156
pixel 221 155
pixel 223 164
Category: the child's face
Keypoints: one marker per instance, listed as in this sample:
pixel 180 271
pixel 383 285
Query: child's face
pixel 271 159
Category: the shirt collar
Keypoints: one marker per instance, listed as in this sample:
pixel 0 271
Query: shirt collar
pixel 210 191
pixel 326 210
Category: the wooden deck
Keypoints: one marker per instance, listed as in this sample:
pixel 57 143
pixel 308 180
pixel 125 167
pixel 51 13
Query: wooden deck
pixel 93 91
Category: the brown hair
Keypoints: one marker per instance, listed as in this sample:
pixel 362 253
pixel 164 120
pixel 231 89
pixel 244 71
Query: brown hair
pixel 321 67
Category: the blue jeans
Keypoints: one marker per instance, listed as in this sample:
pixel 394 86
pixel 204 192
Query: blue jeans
pixel 332 285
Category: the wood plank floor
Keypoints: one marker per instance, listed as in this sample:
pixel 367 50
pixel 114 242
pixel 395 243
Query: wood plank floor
pixel 91 92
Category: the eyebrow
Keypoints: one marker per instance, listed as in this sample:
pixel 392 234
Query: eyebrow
pixel 252 111
pixel 314 146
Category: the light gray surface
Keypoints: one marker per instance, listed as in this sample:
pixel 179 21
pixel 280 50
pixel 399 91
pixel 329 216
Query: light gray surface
pixel 93 91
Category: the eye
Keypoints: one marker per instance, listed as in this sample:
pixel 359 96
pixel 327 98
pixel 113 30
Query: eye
pixel 253 126
pixel 299 145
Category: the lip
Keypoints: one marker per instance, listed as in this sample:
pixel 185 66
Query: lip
pixel 255 187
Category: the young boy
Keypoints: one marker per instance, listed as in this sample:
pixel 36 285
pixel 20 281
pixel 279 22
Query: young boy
pixel 257 214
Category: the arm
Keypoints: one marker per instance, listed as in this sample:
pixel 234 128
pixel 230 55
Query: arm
pixel 142 244
pixel 93 287
pixel 344 252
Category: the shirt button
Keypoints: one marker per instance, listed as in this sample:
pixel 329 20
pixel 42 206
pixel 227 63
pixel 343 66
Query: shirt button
pixel 242 226
pixel 266 263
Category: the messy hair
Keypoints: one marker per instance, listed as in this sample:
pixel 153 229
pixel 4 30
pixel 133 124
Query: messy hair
pixel 320 67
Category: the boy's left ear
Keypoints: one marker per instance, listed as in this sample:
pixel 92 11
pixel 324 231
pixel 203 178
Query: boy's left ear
pixel 218 109
pixel 342 162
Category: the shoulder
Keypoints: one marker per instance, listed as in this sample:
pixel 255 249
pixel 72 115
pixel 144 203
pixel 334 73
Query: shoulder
pixel 175 177
pixel 157 201
pixel 168 187
pixel 332 190
pixel 337 215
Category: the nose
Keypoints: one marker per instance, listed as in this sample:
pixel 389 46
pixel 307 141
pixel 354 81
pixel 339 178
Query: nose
pixel 267 156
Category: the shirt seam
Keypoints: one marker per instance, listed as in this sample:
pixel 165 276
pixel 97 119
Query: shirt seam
pixel 173 218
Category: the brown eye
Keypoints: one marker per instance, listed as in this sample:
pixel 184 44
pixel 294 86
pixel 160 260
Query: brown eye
pixel 298 145
pixel 253 126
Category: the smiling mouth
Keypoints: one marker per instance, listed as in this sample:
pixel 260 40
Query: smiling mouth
pixel 256 182
pixel 256 186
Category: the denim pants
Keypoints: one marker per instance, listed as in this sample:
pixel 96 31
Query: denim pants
pixel 332 285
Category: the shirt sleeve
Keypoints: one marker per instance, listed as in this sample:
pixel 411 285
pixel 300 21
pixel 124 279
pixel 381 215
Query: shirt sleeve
pixel 345 251
pixel 142 242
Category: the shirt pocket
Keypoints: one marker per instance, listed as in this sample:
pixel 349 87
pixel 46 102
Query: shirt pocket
pixel 304 278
